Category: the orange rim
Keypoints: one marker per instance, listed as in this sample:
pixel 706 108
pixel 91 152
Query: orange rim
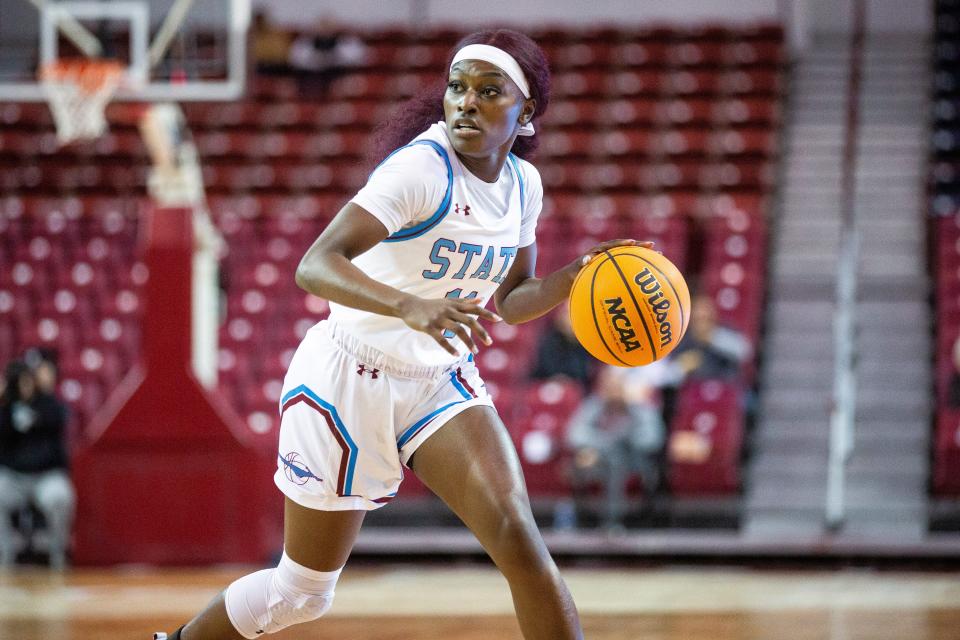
pixel 89 75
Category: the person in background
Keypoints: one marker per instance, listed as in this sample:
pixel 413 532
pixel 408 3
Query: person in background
pixel 709 351
pixel 318 58
pixel 269 45
pixel 45 375
pixel 617 432
pixel 559 354
pixel 33 458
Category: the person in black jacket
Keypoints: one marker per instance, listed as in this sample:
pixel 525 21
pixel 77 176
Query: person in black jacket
pixel 559 354
pixel 33 460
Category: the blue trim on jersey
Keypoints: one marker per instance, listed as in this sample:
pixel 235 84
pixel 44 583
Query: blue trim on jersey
pixel 352 458
pixel 412 430
pixel 516 169
pixel 441 212
pixel 456 383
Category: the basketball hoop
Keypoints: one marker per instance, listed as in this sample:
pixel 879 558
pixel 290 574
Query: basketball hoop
pixel 78 90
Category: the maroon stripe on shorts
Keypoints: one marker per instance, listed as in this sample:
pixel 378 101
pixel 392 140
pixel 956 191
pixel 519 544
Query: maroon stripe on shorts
pixel 464 382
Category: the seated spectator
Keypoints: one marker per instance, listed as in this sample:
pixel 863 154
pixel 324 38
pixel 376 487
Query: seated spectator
pixel 617 432
pixel 710 350
pixel 320 57
pixel 43 364
pixel 269 45
pixel 707 351
pixel 33 458
pixel 560 355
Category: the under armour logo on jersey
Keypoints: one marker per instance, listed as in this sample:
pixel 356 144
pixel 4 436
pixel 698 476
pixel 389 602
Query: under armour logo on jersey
pixel 465 210
pixel 362 369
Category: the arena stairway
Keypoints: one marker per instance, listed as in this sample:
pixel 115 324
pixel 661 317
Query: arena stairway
pixel 787 472
pixel 886 474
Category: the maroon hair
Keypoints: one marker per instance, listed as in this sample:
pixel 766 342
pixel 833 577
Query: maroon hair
pixel 414 116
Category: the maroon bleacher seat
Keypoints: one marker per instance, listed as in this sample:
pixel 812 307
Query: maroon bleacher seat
pixel 501 366
pixel 538 432
pixel 946 456
pixel 706 438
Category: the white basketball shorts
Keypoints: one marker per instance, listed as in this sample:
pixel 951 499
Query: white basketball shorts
pixel 351 417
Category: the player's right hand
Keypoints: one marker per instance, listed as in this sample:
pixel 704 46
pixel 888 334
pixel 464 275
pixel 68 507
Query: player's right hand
pixel 434 317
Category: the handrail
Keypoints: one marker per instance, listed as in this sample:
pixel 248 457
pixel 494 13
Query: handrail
pixel 844 328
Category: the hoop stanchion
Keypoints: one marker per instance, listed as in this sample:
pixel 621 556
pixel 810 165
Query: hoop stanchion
pixel 78 91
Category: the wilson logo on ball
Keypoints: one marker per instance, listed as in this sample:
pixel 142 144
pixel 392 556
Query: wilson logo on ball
pixel 629 306
pixel 660 305
pixel 621 324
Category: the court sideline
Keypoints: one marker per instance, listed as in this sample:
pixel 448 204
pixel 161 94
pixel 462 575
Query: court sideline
pixel 406 602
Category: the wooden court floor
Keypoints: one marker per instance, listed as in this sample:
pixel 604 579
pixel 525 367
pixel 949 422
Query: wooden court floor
pixel 407 602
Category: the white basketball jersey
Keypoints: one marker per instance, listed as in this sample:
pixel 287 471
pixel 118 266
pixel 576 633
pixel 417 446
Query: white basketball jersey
pixel 451 235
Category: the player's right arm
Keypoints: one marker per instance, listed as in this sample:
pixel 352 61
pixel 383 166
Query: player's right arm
pixel 326 271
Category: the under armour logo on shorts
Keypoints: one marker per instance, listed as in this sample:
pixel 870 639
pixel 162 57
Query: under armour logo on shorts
pixel 362 369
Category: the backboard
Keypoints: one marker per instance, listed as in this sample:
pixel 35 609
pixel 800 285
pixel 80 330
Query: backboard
pixel 173 50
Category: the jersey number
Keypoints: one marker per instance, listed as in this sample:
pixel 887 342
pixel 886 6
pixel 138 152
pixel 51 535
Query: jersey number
pixel 456 294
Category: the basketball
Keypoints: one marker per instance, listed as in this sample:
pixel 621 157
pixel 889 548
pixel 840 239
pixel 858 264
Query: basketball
pixel 629 306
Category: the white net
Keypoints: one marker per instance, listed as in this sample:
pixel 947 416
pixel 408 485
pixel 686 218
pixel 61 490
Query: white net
pixel 78 92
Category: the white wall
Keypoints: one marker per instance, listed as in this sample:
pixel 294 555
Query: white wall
pixel 883 16
pixel 801 18
pixel 519 12
pixel 538 12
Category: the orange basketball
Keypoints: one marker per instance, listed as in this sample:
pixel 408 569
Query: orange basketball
pixel 629 306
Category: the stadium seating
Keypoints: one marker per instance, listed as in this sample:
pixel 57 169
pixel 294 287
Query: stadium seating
pixel 654 133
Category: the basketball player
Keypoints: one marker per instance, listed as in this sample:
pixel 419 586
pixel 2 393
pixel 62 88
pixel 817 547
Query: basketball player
pixel 444 222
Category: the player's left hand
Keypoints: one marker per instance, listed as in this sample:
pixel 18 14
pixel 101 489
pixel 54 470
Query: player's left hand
pixel 610 244
pixel 572 269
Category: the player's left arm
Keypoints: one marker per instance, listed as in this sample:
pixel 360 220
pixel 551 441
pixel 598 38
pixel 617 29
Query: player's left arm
pixel 523 296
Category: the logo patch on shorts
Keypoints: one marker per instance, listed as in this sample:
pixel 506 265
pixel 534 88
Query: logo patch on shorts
pixel 296 469
pixel 362 369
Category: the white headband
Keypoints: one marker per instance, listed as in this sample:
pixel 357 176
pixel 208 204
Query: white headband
pixel 505 62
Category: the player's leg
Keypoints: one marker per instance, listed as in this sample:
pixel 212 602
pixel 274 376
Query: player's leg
pixel 471 464
pixel 316 546
pixel 331 472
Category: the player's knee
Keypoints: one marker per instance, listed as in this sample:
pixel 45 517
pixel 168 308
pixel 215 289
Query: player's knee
pixel 518 548
pixel 274 599
pixel 285 614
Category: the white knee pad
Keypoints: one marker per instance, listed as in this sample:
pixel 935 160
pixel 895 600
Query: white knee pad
pixel 273 599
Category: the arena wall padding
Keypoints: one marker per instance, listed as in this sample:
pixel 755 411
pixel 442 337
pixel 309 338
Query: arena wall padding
pixel 168 474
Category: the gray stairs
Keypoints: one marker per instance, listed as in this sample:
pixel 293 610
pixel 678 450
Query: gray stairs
pixel 787 474
pixel 786 490
pixel 887 473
